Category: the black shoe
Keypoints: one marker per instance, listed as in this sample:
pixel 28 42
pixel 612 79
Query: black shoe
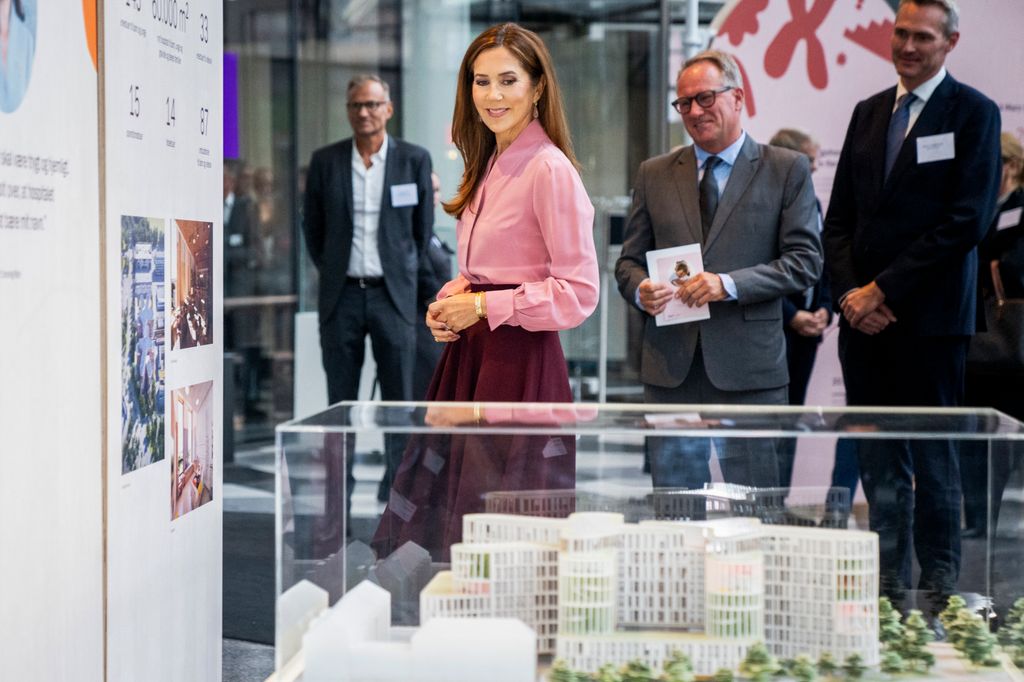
pixel 974 532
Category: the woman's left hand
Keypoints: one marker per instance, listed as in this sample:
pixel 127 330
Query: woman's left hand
pixel 457 312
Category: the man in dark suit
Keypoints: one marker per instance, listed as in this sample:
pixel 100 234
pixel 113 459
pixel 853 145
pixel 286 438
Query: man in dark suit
pixel 368 213
pixel 752 209
pixel 912 197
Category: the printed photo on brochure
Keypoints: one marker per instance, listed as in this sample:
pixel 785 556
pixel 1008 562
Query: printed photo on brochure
pixel 674 266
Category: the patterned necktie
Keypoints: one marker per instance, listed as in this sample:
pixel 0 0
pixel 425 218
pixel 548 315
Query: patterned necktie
pixel 897 130
pixel 708 195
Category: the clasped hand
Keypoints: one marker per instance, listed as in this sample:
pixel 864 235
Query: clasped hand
pixel 865 310
pixel 806 323
pixel 451 315
pixel 704 287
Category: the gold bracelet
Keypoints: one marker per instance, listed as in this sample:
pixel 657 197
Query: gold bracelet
pixel 477 413
pixel 478 300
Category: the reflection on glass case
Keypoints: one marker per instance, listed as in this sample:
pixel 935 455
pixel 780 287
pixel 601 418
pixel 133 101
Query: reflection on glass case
pixel 463 541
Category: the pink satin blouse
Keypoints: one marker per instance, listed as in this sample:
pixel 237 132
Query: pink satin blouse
pixel 530 223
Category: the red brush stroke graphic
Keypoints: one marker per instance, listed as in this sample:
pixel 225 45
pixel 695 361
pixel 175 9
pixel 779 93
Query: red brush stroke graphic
pixel 802 27
pixel 875 38
pixel 742 20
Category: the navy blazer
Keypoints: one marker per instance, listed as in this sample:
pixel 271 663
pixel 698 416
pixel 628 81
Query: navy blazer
pixel 915 233
pixel 403 231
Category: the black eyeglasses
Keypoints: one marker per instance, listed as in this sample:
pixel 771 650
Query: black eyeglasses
pixel 370 106
pixel 704 99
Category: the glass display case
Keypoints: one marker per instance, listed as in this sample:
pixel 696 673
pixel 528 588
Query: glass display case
pixel 415 540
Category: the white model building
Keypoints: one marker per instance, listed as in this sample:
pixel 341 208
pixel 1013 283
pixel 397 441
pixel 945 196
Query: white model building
pixel 598 590
pixel 354 641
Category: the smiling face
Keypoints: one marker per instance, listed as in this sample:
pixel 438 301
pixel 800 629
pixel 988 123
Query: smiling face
pixel 369 109
pixel 718 126
pixel 919 43
pixel 503 94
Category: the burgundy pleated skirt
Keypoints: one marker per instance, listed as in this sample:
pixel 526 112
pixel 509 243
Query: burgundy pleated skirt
pixel 444 476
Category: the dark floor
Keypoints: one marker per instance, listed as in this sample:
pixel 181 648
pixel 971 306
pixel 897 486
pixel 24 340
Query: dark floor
pixel 247 661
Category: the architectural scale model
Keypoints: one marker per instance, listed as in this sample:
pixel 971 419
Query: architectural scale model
pixel 597 590
pixel 353 641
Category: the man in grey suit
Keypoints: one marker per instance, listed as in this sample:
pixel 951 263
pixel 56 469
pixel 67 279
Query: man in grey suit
pixel 367 216
pixel 752 208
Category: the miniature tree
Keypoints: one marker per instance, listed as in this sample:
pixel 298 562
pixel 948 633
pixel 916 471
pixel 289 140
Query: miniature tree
pixel 607 673
pixel 637 671
pixel 912 648
pixel 976 642
pixel 827 665
pixel 892 663
pixel 1009 634
pixel 1016 613
pixel 560 672
pixel 723 675
pixel 803 669
pixel 890 629
pixel 953 606
pixel 678 668
pixel 854 667
pixel 957 629
pixel 759 665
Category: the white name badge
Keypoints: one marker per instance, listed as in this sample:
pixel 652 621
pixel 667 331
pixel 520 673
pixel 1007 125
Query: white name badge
pixel 1009 218
pixel 404 195
pixel 936 148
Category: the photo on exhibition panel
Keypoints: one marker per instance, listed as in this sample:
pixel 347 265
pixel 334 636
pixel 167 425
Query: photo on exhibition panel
pixel 18 47
pixel 191 284
pixel 191 447
pixel 142 341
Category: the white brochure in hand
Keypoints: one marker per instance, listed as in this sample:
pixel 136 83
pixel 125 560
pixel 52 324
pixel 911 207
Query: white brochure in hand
pixel 674 266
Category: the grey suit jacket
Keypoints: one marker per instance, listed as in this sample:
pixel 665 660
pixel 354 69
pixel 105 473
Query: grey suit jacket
pixel 764 236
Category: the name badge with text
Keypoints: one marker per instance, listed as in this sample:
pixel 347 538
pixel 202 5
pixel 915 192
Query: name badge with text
pixel 1009 218
pixel 404 195
pixel 936 148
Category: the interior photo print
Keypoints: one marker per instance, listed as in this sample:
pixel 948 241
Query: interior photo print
pixel 191 284
pixel 192 447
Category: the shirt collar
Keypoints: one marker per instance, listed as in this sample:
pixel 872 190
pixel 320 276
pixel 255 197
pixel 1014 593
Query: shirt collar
pixel 380 155
pixel 923 91
pixel 728 155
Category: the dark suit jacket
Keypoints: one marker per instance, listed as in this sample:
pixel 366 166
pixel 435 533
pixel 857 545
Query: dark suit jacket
pixel 764 235
pixel 403 231
pixel 915 233
pixel 1006 246
pixel 821 297
pixel 241 248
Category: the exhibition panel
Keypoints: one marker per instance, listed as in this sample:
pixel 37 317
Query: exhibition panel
pixel 163 152
pixel 668 537
pixel 51 493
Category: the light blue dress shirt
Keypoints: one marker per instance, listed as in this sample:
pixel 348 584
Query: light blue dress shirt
pixel 722 172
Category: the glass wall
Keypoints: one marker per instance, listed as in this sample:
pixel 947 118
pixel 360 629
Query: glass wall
pixel 287 66
pixel 289 62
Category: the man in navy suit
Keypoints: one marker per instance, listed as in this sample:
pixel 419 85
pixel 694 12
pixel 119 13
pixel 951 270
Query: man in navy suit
pixel 368 214
pixel 912 197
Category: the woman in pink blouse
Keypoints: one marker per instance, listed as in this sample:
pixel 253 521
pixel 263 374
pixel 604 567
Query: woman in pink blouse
pixel 527 268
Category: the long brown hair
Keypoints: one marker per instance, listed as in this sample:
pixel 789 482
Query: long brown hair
pixel 472 138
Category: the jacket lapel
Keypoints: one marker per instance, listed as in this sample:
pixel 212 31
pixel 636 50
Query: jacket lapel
pixel 390 166
pixel 689 198
pixel 930 122
pixel 743 172
pixel 344 161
